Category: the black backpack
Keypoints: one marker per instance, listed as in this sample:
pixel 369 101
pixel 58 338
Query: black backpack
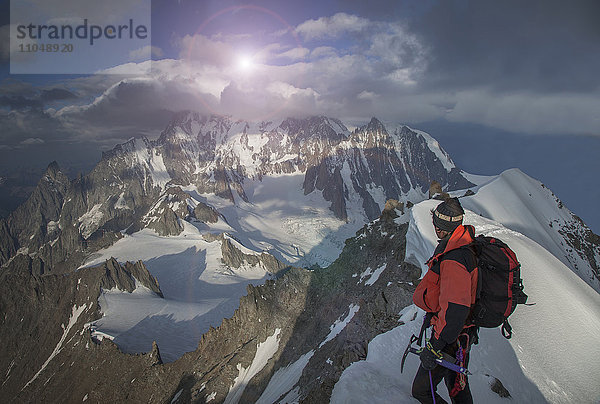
pixel 499 286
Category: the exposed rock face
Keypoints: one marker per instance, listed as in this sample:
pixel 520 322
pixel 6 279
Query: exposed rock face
pixel 167 223
pixel 426 163
pixel 48 354
pixel 205 213
pixel 26 265
pixel 375 159
pixel 119 191
pixel 117 276
pixel 35 222
pixel 436 191
pixel 585 249
pixel 391 210
pixel 233 257
pixel 173 206
pixel 8 245
pixel 63 221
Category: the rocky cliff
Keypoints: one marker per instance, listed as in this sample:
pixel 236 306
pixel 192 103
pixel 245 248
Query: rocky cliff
pixel 48 354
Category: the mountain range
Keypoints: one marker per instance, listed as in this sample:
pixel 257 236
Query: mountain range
pixel 152 250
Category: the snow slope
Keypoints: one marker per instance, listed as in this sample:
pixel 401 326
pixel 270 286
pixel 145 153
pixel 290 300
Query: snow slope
pixel 264 352
pixel 523 204
pixel 553 356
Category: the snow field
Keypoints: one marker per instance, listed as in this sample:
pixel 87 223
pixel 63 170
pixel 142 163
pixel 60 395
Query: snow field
pixel 199 292
pixel 296 228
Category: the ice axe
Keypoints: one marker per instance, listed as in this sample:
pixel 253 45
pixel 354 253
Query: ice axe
pixel 414 338
pixel 447 362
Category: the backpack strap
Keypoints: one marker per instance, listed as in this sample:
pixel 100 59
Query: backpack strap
pixel 506 329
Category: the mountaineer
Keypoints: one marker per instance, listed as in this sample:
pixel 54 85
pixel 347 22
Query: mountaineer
pixel 447 292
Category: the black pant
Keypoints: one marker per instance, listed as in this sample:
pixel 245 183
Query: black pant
pixel 421 388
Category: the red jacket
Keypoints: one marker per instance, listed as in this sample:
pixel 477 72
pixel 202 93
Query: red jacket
pixel 449 287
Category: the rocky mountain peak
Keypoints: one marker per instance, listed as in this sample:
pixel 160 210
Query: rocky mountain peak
pixel 372 135
pixel 182 123
pixel 127 148
pixel 55 176
pixel 375 125
pixel 53 170
pixel 34 222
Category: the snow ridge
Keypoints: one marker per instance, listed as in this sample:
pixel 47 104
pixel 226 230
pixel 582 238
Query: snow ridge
pixel 531 209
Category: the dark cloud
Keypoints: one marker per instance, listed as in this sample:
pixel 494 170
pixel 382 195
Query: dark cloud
pixel 27 111
pixel 133 107
pixel 18 95
pixel 38 101
pixel 19 102
pixel 4 43
pixel 14 87
pixel 542 45
pixel 56 94
pixel 20 128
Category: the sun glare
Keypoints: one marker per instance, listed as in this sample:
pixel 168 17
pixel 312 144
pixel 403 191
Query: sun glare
pixel 245 63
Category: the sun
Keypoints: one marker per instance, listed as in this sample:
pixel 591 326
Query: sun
pixel 245 63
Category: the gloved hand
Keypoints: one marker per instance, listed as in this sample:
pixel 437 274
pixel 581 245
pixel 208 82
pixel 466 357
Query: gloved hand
pixel 429 354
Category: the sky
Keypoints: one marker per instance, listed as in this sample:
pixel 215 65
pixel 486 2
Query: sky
pixel 524 71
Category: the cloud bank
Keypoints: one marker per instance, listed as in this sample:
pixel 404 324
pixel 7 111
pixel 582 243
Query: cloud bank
pixel 522 68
